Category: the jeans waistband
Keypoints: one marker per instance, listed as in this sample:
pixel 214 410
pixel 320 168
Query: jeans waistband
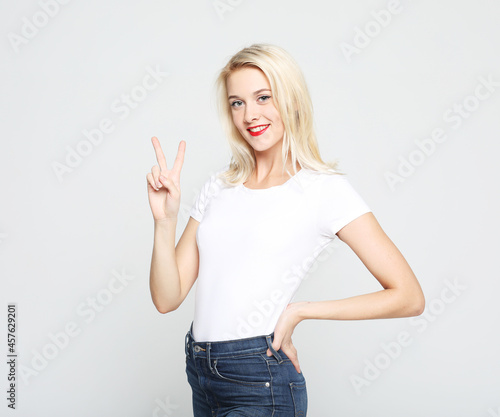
pixel 227 348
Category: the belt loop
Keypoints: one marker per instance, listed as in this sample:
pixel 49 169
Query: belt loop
pixel 208 346
pixel 186 344
pixel 270 346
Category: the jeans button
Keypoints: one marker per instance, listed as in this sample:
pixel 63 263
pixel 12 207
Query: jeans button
pixel 197 348
pixel 267 384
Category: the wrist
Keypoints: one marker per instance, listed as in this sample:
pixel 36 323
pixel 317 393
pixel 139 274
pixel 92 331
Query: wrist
pixel 167 221
pixel 166 224
pixel 302 310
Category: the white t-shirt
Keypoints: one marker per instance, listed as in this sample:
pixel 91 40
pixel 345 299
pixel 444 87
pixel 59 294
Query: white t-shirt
pixel 256 246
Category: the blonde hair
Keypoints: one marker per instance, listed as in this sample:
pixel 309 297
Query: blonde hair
pixel 293 102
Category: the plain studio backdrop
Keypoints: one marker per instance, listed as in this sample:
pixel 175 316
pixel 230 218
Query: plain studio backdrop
pixel 406 96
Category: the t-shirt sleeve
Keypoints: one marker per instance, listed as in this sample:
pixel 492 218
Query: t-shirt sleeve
pixel 198 209
pixel 211 187
pixel 340 204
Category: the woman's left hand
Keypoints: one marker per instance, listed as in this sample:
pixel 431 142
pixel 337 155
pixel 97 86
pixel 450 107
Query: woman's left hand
pixel 283 333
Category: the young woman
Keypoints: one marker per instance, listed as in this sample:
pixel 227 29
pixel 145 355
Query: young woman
pixel 255 229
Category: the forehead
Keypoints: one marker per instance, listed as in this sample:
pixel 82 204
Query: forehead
pixel 246 80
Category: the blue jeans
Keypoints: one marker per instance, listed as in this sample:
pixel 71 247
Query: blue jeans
pixel 236 378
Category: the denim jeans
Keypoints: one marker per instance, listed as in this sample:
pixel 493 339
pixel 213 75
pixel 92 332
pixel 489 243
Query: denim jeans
pixel 236 378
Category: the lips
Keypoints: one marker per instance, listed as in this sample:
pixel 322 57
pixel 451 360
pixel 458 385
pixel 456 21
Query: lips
pixel 260 130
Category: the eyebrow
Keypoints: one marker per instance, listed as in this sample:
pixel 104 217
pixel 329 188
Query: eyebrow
pixel 255 93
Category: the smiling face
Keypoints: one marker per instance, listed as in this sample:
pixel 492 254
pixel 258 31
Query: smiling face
pixel 253 110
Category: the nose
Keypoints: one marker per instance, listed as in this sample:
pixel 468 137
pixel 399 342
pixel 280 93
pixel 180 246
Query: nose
pixel 251 113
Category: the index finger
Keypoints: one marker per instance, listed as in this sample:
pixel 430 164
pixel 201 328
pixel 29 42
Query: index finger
pixel 160 157
pixel 179 159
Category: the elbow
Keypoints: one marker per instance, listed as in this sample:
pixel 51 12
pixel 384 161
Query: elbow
pixel 410 304
pixel 418 306
pixel 164 309
pixel 164 304
pixel 421 306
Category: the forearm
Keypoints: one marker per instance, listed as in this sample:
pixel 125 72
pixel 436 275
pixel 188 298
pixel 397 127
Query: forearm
pixel 388 303
pixel 164 281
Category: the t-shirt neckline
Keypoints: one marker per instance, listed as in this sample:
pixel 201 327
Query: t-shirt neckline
pixel 274 187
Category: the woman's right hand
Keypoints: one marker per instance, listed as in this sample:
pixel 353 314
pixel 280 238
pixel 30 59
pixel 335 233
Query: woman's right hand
pixel 164 186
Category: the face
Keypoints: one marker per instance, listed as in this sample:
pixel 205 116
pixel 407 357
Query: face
pixel 254 113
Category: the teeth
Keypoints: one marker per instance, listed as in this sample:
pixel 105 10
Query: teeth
pixel 258 128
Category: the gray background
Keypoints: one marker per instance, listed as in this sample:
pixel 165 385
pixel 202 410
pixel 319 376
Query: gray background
pixel 64 238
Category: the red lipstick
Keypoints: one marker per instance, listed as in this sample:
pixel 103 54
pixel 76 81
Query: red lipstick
pixel 258 133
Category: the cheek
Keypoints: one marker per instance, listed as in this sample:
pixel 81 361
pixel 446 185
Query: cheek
pixel 278 122
pixel 237 120
pixel 238 123
pixel 276 116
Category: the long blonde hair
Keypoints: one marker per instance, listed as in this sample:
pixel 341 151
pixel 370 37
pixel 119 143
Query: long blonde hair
pixel 293 102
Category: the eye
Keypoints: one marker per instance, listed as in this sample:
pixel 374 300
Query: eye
pixel 264 98
pixel 236 103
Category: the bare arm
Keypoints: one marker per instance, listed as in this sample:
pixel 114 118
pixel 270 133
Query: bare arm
pixel 174 270
pixel 402 295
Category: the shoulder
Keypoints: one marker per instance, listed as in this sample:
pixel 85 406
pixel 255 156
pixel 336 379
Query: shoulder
pixel 322 179
pixel 214 183
pixel 216 176
pixel 330 187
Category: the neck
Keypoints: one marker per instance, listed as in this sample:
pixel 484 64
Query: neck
pixel 271 167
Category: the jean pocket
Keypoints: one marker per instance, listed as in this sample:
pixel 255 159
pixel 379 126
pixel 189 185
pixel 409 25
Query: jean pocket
pixel 248 370
pixel 299 396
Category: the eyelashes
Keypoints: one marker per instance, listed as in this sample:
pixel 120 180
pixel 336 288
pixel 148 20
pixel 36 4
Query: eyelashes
pixel 239 103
